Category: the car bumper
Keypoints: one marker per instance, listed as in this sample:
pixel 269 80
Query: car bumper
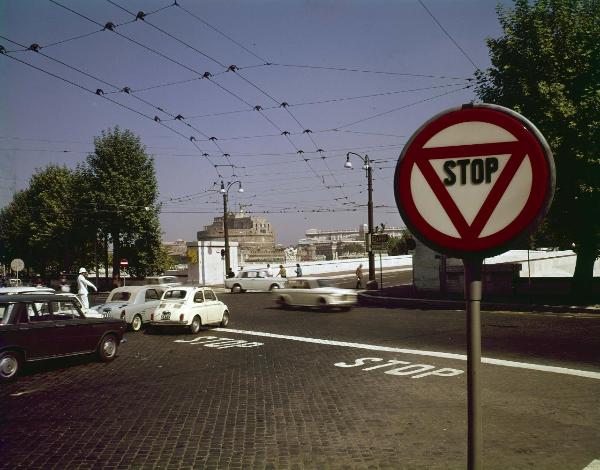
pixel 167 323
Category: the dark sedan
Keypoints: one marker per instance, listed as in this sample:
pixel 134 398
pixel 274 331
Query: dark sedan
pixel 34 327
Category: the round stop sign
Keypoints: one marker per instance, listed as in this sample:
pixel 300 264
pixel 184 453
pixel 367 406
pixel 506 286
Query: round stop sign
pixel 474 179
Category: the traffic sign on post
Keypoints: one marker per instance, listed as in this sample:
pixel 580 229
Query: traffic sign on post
pixel 123 263
pixel 474 179
pixel 468 183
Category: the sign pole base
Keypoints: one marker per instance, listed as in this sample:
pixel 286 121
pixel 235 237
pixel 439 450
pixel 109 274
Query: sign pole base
pixel 473 268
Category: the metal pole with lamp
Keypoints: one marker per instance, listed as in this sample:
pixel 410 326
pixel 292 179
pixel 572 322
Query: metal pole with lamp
pixel 369 170
pixel 225 192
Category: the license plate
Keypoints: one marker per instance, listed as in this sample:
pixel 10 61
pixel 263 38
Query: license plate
pixel 165 316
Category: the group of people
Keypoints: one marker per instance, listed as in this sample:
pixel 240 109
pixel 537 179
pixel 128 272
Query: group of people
pixel 282 271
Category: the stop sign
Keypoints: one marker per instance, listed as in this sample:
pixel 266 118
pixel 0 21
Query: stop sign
pixel 123 263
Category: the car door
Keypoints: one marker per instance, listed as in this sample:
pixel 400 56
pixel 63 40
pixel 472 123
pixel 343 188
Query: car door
pixel 150 300
pixel 213 306
pixel 198 307
pixel 74 332
pixel 38 326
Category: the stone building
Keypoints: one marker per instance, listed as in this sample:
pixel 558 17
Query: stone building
pixel 255 237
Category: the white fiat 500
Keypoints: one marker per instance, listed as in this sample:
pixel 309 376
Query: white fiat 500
pixel 134 304
pixel 315 292
pixel 190 307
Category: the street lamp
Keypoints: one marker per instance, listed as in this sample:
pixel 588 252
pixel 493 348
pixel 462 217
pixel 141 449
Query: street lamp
pixel 369 171
pixel 225 192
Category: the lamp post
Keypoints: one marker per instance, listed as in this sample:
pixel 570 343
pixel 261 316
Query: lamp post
pixel 225 192
pixel 369 170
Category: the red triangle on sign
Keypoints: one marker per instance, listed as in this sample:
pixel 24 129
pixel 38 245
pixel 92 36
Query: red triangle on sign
pixel 516 152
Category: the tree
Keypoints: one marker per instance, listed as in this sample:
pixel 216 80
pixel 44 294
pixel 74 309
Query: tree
pixel 401 245
pixel 40 225
pixel 546 65
pixel 123 190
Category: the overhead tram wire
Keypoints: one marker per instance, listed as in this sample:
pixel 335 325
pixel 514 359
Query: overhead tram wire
pixel 231 68
pixel 102 96
pixel 448 34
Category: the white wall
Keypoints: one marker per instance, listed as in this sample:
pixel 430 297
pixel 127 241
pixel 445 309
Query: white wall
pixel 542 263
pixel 205 265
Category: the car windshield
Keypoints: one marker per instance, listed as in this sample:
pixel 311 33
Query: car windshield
pixel 5 310
pixel 120 296
pixel 325 283
pixel 176 294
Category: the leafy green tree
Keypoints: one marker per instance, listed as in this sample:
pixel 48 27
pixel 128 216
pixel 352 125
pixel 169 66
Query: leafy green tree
pixel 546 65
pixel 40 225
pixel 401 245
pixel 123 191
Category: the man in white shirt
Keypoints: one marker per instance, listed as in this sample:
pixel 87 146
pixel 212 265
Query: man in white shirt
pixel 269 271
pixel 82 284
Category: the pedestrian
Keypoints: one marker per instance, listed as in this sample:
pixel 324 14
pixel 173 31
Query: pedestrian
pixel 269 270
pixel 64 285
pixel 298 270
pixel 82 285
pixel 282 272
pixel 359 277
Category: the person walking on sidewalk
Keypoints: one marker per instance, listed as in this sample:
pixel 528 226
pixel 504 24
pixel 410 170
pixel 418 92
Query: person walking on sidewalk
pixel 359 277
pixel 298 270
pixel 282 272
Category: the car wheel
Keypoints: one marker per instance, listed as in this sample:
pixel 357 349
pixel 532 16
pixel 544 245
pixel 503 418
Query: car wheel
pixel 236 289
pixel 10 365
pixel 274 287
pixel 323 303
pixel 283 303
pixel 136 323
pixel 107 350
pixel 225 319
pixel 195 325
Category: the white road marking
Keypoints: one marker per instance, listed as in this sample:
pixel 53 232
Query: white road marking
pixel 593 465
pixel 443 355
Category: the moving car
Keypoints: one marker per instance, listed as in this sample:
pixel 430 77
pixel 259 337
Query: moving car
pixel 164 281
pixel 253 279
pixel 134 304
pixel 34 327
pixel 190 307
pixel 315 292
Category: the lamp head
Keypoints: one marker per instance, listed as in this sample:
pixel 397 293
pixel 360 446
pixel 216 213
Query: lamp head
pixel 223 190
pixel 241 190
pixel 348 163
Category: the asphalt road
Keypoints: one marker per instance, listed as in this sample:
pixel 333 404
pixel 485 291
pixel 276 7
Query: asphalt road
pixel 369 388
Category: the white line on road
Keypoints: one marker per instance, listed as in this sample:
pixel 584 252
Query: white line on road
pixel 594 465
pixel 459 357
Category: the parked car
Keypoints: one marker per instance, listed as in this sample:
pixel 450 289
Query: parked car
pixel 43 326
pixel 134 304
pixel 89 313
pixel 164 281
pixel 190 307
pixel 315 292
pixel 253 279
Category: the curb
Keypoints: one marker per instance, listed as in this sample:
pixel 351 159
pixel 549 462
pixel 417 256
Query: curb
pixel 409 302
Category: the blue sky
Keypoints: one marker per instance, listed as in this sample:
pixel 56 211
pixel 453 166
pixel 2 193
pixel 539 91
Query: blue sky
pixel 360 75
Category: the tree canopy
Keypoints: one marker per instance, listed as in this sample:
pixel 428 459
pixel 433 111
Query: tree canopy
pixel 546 66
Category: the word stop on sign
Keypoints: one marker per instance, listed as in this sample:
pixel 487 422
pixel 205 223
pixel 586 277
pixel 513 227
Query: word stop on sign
pixel 474 171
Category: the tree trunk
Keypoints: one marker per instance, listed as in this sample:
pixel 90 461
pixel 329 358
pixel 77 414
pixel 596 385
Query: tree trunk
pixel 116 257
pixel 584 269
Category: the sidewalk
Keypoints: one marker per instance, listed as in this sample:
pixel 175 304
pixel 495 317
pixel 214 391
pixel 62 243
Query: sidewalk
pixel 407 297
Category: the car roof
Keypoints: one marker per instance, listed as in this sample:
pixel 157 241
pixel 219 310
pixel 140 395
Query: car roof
pixel 32 298
pixel 25 289
pixel 135 289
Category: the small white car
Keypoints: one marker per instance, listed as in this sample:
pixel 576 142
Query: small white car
pixel 315 292
pixel 254 279
pixel 134 304
pixel 190 307
pixel 163 281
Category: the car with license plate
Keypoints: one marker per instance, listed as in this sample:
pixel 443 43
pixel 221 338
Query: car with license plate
pixel 315 292
pixel 190 307
pixel 35 327
pixel 134 304
pixel 254 279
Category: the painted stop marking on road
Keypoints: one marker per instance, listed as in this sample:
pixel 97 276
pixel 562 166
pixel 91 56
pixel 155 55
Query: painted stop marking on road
pixel 472 180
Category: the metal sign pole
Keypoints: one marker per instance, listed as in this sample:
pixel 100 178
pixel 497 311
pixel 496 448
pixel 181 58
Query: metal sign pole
pixel 473 300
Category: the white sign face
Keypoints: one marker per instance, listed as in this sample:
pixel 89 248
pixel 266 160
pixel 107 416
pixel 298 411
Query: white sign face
pixel 17 264
pixel 472 180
